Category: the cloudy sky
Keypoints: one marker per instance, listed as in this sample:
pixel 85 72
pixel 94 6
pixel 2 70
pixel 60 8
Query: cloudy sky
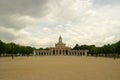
pixel 39 23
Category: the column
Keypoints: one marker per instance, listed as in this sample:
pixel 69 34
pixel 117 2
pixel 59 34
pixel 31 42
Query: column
pixel 85 53
pixel 61 51
pixel 34 52
pixel 51 52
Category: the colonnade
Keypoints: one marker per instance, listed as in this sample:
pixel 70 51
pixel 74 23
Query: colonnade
pixel 61 52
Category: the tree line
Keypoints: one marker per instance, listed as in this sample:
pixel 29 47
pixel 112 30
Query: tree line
pixel 8 49
pixel 109 50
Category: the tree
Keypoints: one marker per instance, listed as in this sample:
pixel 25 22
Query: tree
pixel 40 48
pixel 117 49
pixel 46 48
pixel 2 48
pixel 76 47
pixel 84 47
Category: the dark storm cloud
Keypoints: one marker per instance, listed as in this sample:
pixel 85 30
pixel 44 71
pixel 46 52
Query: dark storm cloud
pixel 23 7
pixel 12 12
pixel 11 22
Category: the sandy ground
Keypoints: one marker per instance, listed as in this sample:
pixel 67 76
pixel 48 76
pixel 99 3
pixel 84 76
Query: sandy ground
pixel 59 68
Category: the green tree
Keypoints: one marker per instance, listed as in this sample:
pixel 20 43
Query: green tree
pixel 2 48
pixel 84 47
pixel 40 48
pixel 117 48
pixel 76 47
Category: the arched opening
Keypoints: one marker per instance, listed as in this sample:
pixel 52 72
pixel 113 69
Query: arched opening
pixel 83 53
pixel 60 52
pixel 53 52
pixel 56 52
pixel 80 53
pixel 66 52
pixel 42 53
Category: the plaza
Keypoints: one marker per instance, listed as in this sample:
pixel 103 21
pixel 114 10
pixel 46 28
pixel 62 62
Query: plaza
pixel 59 68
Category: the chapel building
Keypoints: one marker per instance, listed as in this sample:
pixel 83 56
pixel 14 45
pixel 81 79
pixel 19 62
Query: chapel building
pixel 61 49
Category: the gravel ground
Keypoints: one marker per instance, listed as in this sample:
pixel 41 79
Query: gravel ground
pixel 59 68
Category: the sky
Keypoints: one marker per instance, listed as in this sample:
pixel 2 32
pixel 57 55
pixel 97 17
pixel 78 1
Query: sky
pixel 39 23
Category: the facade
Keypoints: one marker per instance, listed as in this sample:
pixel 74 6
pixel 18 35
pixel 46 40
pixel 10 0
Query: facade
pixel 61 49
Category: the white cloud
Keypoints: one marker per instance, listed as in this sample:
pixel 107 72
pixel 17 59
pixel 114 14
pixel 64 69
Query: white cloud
pixel 39 23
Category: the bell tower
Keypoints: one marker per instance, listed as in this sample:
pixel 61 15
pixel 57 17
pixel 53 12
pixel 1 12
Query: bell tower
pixel 60 44
pixel 60 39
